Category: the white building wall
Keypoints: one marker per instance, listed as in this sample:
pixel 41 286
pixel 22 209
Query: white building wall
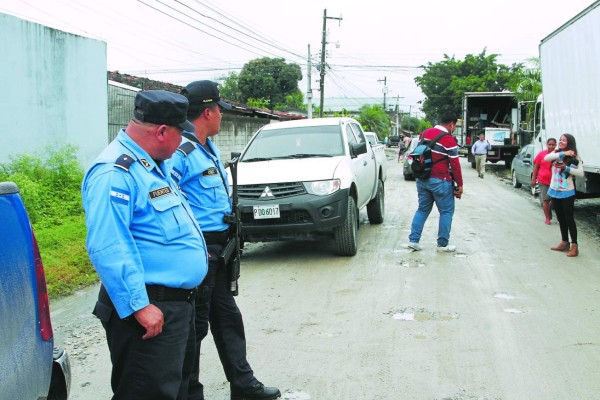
pixel 54 90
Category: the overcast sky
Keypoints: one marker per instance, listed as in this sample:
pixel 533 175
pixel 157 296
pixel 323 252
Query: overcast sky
pixel 183 40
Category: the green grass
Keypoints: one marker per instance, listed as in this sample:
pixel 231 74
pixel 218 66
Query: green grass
pixel 65 258
pixel 49 184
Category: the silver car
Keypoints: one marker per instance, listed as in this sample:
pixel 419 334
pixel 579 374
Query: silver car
pixel 406 171
pixel 521 169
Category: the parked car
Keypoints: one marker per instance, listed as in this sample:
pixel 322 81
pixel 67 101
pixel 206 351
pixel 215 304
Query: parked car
pixel 406 171
pixel 31 367
pixel 521 169
pixel 393 141
pixel 372 138
pixel 307 180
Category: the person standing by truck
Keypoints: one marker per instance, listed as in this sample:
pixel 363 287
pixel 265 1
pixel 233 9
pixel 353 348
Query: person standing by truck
pixel 198 169
pixel 148 251
pixel 479 150
pixel 566 164
pixel 542 174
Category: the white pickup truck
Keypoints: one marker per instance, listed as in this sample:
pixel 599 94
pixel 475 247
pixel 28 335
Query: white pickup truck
pixel 379 150
pixel 307 180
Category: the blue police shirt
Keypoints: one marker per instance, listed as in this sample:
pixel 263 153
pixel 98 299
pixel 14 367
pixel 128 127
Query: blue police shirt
pixel 202 177
pixel 140 228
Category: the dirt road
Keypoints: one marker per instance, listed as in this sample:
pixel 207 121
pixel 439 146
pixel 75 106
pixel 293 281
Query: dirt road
pixel 502 318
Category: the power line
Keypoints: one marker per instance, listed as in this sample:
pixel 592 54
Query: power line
pixel 203 31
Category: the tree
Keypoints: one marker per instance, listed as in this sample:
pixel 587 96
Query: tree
pixel 269 78
pixel 414 124
pixel 293 102
pixel 527 84
pixel 445 82
pixel 229 89
pixel 527 87
pixel 374 119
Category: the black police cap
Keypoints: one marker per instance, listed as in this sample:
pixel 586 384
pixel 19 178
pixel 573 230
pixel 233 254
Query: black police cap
pixel 162 108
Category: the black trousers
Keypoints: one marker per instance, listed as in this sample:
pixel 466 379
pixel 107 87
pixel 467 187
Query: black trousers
pixel 565 214
pixel 216 307
pixel 151 369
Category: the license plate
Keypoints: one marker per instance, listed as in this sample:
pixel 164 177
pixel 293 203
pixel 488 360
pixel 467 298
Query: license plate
pixel 491 153
pixel 268 211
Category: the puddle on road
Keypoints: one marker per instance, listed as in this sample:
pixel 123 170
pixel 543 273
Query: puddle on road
pixel 513 311
pixel 296 395
pixel 504 296
pixel 423 315
pixel 463 395
pixel 411 263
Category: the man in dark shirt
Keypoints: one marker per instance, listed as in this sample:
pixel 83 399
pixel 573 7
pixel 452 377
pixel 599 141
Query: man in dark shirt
pixel 444 184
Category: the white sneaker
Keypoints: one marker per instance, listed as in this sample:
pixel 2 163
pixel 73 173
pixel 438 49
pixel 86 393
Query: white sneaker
pixel 446 249
pixel 414 246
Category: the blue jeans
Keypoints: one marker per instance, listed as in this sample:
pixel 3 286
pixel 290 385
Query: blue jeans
pixel 441 192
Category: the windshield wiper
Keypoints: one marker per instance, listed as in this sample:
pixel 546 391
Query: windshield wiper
pixel 306 155
pixel 255 159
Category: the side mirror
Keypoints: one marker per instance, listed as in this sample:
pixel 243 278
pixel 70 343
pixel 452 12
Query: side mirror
pixel 357 149
pixel 235 154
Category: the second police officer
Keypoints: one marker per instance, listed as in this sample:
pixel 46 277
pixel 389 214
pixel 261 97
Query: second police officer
pixel 198 169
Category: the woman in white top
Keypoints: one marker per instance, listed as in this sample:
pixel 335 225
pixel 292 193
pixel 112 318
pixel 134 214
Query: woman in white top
pixel 566 164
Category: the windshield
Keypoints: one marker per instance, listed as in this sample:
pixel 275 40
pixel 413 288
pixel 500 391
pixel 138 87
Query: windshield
pixel 312 141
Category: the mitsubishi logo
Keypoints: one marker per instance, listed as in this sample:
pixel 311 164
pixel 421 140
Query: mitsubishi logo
pixel 266 193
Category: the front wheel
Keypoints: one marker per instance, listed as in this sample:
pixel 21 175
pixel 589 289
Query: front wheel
pixel 376 207
pixel 346 235
pixel 515 182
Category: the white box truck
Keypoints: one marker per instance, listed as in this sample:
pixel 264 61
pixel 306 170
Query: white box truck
pixel 570 58
pixel 495 115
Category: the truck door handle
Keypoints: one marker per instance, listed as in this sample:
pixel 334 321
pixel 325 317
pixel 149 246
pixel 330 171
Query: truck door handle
pixel 365 163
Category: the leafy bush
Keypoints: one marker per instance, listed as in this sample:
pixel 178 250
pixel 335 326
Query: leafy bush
pixel 49 184
pixel 50 188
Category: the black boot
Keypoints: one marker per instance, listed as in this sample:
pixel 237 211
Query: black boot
pixel 254 392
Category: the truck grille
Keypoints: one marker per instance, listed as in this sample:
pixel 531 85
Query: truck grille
pixel 287 217
pixel 278 190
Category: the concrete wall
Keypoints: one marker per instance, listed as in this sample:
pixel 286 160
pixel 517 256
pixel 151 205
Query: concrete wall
pixel 235 133
pixel 54 90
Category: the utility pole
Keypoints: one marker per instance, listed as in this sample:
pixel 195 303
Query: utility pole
pixel 323 43
pixel 309 88
pixel 385 90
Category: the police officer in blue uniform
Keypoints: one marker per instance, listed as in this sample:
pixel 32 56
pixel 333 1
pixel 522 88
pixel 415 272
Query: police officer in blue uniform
pixel 148 251
pixel 198 169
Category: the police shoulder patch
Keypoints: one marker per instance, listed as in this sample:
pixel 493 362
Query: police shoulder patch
pixel 124 162
pixel 186 148
pixel 119 195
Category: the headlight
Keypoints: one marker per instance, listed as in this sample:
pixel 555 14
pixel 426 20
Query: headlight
pixel 322 188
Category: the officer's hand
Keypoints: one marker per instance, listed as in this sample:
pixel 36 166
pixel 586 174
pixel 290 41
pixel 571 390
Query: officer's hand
pixel 458 193
pixel 152 319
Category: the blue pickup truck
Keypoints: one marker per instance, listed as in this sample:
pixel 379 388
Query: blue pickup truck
pixel 30 366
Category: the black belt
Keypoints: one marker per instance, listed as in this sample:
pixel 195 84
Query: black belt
pixel 216 237
pixel 164 293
